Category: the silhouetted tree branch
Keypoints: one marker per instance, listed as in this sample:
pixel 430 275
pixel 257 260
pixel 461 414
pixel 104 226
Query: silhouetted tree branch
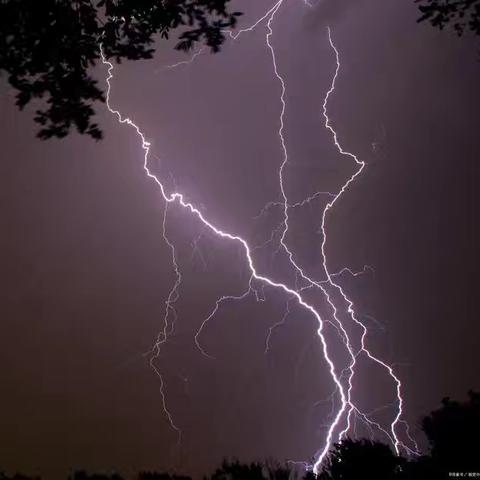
pixel 234 470
pixel 48 46
pixel 453 432
pixel 461 14
pixel 355 459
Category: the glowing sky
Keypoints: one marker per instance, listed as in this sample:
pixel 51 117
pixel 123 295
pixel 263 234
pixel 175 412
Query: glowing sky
pixel 87 271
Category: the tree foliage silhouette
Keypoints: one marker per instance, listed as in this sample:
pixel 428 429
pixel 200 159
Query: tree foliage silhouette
pixel 355 459
pixel 47 48
pixel 453 432
pixel 17 476
pixel 463 15
pixel 161 476
pixel 82 475
pixel 234 470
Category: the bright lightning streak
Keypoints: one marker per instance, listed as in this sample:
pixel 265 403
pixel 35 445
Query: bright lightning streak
pixel 178 198
pixel 345 399
pixel 218 303
pixel 301 203
pixel 231 34
pixel 163 334
pixel 348 270
pixel 351 310
pixel 270 14
pixel 347 407
pixel 277 324
pixel 201 51
pixel 346 403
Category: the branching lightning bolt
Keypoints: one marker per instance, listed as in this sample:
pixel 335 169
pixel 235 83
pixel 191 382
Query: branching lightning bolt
pixel 168 326
pixel 341 378
pixel 178 198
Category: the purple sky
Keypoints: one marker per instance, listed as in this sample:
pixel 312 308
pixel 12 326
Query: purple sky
pixel 86 270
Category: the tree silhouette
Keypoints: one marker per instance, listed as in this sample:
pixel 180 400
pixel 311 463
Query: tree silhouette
pixel 355 459
pixel 47 48
pixel 461 14
pixel 234 470
pixel 82 475
pixel 277 471
pixel 17 476
pixel 161 476
pixel 453 432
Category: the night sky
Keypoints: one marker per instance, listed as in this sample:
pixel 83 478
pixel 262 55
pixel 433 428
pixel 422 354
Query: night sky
pixel 86 271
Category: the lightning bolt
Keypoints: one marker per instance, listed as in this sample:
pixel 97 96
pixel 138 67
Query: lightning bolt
pixel 168 326
pixel 218 303
pixel 394 437
pixel 301 203
pixel 178 199
pixel 277 324
pixel 330 288
pixel 199 52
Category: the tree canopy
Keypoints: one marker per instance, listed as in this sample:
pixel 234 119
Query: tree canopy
pixel 48 47
pixel 354 459
pixel 453 434
pixel 463 15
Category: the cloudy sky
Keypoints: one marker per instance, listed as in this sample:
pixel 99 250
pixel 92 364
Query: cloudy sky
pixel 86 270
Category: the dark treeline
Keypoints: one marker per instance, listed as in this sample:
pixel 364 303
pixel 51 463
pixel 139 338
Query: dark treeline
pixel 452 431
